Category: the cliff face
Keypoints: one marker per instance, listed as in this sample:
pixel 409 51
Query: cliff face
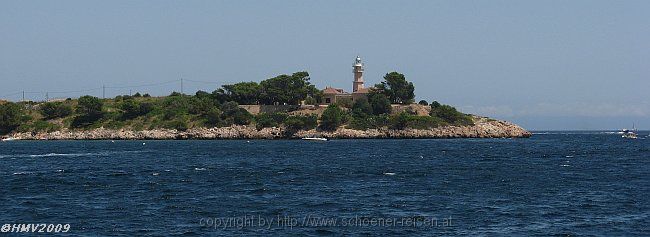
pixel 483 128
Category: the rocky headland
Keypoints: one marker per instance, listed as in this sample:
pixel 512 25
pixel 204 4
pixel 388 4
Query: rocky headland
pixel 482 128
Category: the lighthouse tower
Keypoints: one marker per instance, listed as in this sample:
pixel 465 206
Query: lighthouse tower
pixel 357 69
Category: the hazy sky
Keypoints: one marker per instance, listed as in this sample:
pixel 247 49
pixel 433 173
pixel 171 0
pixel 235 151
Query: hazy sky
pixel 542 64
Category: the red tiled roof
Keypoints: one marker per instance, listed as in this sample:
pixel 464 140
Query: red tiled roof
pixel 330 90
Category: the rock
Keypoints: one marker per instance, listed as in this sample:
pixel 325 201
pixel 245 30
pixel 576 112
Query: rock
pixel 483 128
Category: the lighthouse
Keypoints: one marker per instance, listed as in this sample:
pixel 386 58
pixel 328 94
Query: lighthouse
pixel 357 69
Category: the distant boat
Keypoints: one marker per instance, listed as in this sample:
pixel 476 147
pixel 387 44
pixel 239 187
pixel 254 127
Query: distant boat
pixel 629 134
pixel 8 139
pixel 314 139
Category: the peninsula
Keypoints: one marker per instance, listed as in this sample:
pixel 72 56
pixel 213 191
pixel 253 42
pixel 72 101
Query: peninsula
pixel 282 107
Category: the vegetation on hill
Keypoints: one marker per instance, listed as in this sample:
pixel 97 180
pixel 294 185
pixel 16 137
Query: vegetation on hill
pixel 221 108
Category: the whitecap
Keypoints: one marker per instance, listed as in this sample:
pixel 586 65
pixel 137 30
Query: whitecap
pixel 389 173
pixel 199 169
pixel 23 173
pixel 565 165
pixel 52 154
pixel 569 156
pixel 156 174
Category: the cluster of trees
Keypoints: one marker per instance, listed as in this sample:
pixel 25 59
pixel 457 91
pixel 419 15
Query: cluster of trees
pixel 372 113
pixel 396 88
pixel 284 89
pixel 11 116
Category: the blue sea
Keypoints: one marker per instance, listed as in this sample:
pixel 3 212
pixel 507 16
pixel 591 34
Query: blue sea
pixel 555 183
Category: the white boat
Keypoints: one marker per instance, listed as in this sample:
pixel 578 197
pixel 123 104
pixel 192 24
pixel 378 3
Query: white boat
pixel 314 138
pixel 8 139
pixel 630 134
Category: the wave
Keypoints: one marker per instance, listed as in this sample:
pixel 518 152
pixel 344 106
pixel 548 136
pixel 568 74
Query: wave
pixel 62 154
pixel 23 173
pixel 67 154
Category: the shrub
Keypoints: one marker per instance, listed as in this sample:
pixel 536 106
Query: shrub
pixel 10 117
pixel 364 122
pixel 423 102
pixel 52 110
pixel 179 124
pixel 38 126
pixel 449 114
pixel 130 109
pixel 175 106
pixel 361 106
pixel 332 118
pixel 423 122
pixel 200 105
pixel 299 122
pixel 380 103
pixel 89 109
pixel 399 121
pixel 267 120
pixel 90 106
pixel 242 117
pixel 213 117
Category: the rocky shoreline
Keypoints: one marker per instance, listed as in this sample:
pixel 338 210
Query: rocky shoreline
pixel 483 128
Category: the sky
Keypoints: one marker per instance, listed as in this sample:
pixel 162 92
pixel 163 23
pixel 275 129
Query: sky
pixel 545 65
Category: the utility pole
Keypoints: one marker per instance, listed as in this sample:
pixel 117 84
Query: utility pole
pixel 181 86
pixel 23 96
pixel 103 91
pixel 47 97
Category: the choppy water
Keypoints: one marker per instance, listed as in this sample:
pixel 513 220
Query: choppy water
pixel 551 184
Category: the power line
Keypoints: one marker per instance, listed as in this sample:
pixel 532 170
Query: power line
pixel 209 82
pixel 104 87
pixel 143 85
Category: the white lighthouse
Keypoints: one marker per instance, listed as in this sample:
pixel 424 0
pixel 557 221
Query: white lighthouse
pixel 357 69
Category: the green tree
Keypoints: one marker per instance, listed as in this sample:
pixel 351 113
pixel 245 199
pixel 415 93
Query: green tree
pixel 332 118
pixel 379 102
pixel 285 89
pixel 130 108
pixel 267 120
pixel 232 114
pixel 396 88
pixel 242 117
pixel 10 117
pixel 423 102
pixel 361 106
pixel 213 117
pixel 399 121
pixel 245 93
pixel 200 105
pixel 175 106
pixel 90 106
pixel 52 110
pixel 299 122
pixel 89 109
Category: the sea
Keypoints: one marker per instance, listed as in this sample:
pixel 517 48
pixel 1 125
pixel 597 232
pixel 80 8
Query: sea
pixel 552 184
